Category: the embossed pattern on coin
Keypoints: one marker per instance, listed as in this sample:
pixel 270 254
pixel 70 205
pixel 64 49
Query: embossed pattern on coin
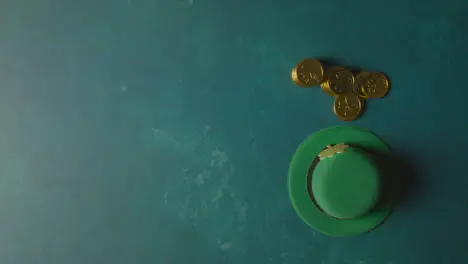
pixel 358 89
pixel 347 107
pixel 307 73
pixel 325 85
pixel 376 85
pixel 341 82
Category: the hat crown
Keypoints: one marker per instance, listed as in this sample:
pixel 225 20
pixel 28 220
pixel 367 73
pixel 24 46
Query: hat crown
pixel 346 185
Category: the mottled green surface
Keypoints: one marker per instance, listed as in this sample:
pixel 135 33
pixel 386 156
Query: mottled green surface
pixel 160 131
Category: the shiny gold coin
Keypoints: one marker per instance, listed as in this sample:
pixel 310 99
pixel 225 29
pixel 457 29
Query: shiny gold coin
pixel 376 85
pixel 325 85
pixel 307 73
pixel 348 107
pixel 341 82
pixel 359 80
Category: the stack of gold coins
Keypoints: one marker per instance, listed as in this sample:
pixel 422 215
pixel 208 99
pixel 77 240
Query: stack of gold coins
pixel 348 90
pixel 308 73
pixel 371 85
pixel 338 80
pixel 348 106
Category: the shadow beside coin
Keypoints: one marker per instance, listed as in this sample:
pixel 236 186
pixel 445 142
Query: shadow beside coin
pixel 329 62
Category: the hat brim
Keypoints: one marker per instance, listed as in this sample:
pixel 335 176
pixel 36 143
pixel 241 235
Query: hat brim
pixel 299 171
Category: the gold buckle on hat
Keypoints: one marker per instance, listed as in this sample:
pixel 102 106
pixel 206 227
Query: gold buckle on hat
pixel 332 150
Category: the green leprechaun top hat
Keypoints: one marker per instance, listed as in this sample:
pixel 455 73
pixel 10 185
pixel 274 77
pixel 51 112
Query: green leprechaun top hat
pixel 336 181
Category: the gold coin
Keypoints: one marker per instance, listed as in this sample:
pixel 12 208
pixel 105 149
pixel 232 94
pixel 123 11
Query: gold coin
pixel 307 73
pixel 325 85
pixel 348 107
pixel 376 85
pixel 341 82
pixel 358 89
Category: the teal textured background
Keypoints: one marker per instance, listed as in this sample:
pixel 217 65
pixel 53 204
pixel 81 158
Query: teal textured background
pixel 160 131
